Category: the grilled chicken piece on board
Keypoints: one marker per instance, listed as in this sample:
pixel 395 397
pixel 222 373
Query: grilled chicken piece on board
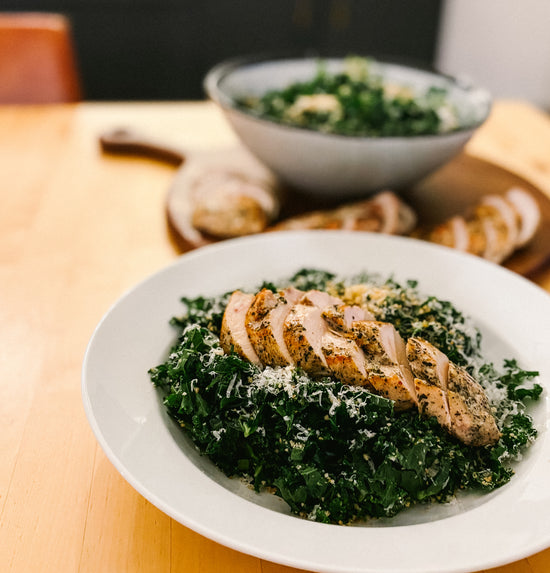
pixel 500 222
pixel 498 226
pixel 264 324
pixel 460 234
pixel 227 204
pixel 529 214
pixel 383 213
pixel 233 335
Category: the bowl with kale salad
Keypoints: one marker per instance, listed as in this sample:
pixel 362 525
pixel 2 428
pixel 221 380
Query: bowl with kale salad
pixel 346 126
pixel 327 390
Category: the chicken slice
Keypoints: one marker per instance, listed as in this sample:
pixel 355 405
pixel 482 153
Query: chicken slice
pixel 342 356
pixel 430 368
pixel 477 238
pixel 396 217
pixel 345 360
pixel 444 233
pixel 361 216
pixel 389 371
pixel 340 317
pixel 264 324
pixel 233 335
pixel 228 204
pixel 528 212
pixel 428 362
pixel 505 212
pixel 471 418
pixel 312 220
pixel 319 299
pixel 383 213
pixel 303 332
pixel 461 234
pixel 497 226
pixel 499 223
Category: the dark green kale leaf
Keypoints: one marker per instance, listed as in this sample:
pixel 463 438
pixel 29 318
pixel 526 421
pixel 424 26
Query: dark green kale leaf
pixel 204 311
pixel 308 279
pixel 364 106
pixel 433 319
pixel 515 379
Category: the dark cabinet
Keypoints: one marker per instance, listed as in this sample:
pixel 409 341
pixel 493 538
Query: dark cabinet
pixel 161 49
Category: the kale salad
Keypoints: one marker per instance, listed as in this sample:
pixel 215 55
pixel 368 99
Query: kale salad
pixel 336 453
pixel 357 101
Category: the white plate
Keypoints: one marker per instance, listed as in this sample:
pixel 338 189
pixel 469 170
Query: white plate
pixel 154 456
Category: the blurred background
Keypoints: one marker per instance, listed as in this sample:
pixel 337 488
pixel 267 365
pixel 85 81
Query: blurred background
pixel 161 49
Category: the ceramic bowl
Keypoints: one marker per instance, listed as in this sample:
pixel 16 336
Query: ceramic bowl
pixel 340 165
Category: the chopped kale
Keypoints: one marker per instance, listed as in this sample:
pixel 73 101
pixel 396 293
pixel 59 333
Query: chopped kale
pixel 206 312
pixel 356 102
pixel 435 320
pixel 307 279
pixel 337 453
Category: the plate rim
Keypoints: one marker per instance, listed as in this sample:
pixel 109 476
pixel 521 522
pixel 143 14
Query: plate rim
pixel 212 250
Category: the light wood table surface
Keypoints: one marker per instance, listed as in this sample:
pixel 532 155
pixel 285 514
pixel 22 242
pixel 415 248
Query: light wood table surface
pixel 77 229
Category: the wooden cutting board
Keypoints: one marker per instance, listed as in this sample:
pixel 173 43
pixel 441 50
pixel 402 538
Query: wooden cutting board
pixel 458 186
pixel 452 190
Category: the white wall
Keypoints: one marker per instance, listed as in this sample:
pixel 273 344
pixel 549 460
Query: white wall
pixel 503 45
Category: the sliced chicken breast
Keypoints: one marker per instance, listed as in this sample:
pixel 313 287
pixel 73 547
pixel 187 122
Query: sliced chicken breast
pixel 444 233
pixel 433 402
pixel 471 419
pixel 528 211
pixel 499 225
pixel 477 239
pixel 430 368
pixel 323 336
pixel 319 299
pixel 428 362
pixel 227 204
pixel 233 335
pixel 311 220
pixel 396 217
pixel 340 317
pixel 461 234
pixel 383 213
pixel 345 360
pixel 361 216
pixel 389 371
pixel 449 393
pixel 504 212
pixel 303 332
pixel 264 324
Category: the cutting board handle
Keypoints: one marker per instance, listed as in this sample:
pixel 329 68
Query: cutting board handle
pixel 122 141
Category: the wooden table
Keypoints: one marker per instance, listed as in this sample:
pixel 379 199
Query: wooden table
pixel 77 229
